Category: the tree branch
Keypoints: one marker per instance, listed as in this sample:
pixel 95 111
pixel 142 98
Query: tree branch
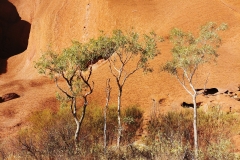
pixel 193 72
pixel 56 82
pixel 128 57
pixel 110 66
pixel 120 57
pixel 112 63
pixel 183 85
pixel 90 73
pixel 186 75
pixel 87 83
pixel 65 78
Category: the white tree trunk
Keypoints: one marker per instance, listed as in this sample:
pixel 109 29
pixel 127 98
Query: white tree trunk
pixel 108 91
pixel 195 127
pixel 105 130
pixel 77 131
pixel 78 122
pixel 119 119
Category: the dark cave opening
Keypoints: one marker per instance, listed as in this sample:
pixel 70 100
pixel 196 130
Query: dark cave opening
pixel 208 91
pixel 14 33
pixel 190 105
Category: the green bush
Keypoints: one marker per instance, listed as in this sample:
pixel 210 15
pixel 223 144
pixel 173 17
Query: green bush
pixel 132 119
pixel 171 135
pixel 51 133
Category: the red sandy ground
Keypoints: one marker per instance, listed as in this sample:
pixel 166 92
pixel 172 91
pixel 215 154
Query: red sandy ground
pixel 58 22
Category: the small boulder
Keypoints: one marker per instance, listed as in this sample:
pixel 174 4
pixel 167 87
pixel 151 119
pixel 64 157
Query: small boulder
pixel 9 96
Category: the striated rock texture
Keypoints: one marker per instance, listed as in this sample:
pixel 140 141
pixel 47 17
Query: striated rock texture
pixel 57 22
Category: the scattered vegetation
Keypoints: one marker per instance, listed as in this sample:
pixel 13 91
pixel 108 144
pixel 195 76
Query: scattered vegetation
pixel 56 135
pixel 73 66
pixel 51 135
pixel 170 135
pixel 122 49
pixel 189 52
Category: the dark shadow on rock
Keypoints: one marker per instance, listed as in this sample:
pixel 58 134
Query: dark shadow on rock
pixel 228 92
pixel 8 97
pixel 208 91
pixel 3 66
pixel 14 33
pixel 190 105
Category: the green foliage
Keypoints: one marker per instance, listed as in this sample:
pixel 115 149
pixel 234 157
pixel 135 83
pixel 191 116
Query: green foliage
pixel 171 135
pixel 134 112
pixel 93 124
pixel 66 64
pixel 125 44
pixel 72 62
pixel 71 66
pixel 132 120
pixel 69 60
pixel 122 49
pixel 50 136
pixel 51 133
pixel 189 51
pixel 147 48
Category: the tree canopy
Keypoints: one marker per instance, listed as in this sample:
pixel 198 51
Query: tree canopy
pixel 188 53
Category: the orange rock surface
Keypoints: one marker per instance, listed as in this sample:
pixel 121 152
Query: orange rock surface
pixel 58 22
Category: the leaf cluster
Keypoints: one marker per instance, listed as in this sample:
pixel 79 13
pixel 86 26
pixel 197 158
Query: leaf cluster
pixel 69 65
pixel 79 56
pixel 125 44
pixel 189 51
pixel 68 61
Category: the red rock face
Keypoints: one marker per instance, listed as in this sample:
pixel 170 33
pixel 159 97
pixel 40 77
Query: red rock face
pixel 14 32
pixel 57 22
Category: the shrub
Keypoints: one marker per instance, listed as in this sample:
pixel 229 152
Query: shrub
pixel 51 133
pixel 171 135
pixel 132 119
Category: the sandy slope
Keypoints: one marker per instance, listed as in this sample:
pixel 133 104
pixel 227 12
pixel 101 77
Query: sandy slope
pixel 58 22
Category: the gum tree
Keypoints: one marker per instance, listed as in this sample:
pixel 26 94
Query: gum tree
pixel 73 66
pixel 122 49
pixel 108 93
pixel 130 49
pixel 189 52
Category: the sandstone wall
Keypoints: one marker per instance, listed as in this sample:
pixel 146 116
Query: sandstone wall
pixel 57 22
